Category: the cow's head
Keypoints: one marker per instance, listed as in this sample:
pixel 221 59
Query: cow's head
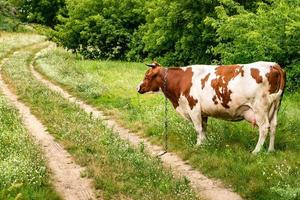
pixel 152 81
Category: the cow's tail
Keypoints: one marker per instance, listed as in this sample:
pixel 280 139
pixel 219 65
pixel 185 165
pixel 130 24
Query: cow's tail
pixel 277 95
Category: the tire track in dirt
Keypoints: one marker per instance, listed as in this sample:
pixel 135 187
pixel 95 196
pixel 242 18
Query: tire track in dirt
pixel 66 177
pixel 206 188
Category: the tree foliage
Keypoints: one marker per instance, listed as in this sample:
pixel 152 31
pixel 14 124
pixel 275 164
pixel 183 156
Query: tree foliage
pixel 39 11
pixel 100 29
pixel 270 33
pixel 8 19
pixel 175 32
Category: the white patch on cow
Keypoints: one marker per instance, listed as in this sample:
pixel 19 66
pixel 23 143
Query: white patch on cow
pixel 183 107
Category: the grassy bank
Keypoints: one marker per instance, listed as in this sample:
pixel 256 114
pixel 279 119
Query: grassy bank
pixel 119 171
pixel 225 155
pixel 23 170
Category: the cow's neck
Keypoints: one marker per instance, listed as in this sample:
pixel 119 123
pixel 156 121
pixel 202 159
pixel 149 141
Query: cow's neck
pixel 178 81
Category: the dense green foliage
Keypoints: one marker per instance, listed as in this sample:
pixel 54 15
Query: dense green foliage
pixel 8 19
pixel 271 33
pixel 39 11
pixel 175 32
pixel 100 29
pixel 226 154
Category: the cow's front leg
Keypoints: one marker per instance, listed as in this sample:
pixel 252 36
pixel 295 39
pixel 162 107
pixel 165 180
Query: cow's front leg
pixel 200 124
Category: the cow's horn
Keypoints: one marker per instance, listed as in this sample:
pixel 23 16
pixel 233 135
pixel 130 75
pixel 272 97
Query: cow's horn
pixel 151 65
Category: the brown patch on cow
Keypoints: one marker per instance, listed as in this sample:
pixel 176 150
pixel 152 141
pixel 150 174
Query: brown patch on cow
pixel 276 79
pixel 180 82
pixel 255 75
pixel 225 74
pixel 215 99
pixel 203 80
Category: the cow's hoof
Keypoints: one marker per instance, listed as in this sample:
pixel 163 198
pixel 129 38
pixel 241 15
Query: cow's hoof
pixel 199 143
pixel 271 150
pixel 255 152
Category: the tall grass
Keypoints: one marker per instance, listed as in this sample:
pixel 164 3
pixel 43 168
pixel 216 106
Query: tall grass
pixel 110 85
pixel 119 171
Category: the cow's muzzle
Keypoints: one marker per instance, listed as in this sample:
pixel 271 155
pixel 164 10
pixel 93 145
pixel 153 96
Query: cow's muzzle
pixel 139 89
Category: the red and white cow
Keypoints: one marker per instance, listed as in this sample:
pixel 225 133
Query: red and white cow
pixel 232 92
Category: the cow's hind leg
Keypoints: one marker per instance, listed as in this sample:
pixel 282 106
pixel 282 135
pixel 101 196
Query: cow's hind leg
pixel 273 124
pixel 263 124
pixel 200 132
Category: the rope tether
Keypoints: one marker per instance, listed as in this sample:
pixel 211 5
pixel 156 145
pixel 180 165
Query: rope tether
pixel 166 114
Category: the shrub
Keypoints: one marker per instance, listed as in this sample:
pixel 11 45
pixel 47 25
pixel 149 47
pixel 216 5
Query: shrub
pixel 174 32
pixel 270 33
pixel 8 20
pixel 293 77
pixel 100 29
pixel 39 11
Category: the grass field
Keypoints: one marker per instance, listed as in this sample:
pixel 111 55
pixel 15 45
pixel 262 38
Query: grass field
pixel 110 86
pixel 12 41
pixel 23 170
pixel 118 171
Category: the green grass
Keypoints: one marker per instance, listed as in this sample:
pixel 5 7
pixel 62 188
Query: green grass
pixel 23 173
pixel 23 170
pixel 118 170
pixel 110 86
pixel 11 41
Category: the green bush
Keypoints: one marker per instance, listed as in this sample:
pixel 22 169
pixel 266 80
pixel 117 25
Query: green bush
pixel 293 77
pixel 100 29
pixel 8 20
pixel 174 32
pixel 270 33
pixel 39 11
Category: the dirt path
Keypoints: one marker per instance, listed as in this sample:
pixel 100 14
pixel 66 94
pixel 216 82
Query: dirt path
pixel 66 174
pixel 206 188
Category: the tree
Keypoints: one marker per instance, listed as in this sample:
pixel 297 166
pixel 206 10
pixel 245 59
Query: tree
pixel 271 33
pixel 40 11
pixel 174 32
pixel 100 29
